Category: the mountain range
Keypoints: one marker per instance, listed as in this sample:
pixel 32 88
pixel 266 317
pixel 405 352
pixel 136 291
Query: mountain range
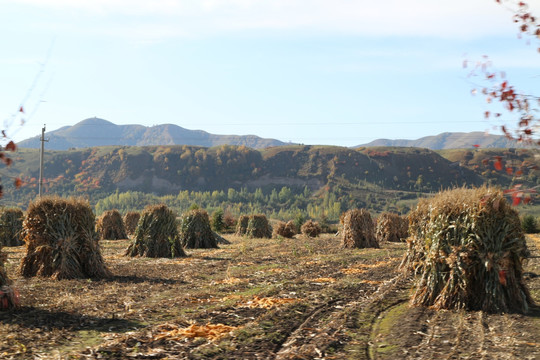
pixel 452 140
pixel 94 132
pixel 98 132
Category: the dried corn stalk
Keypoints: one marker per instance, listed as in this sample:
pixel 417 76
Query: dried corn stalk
pixel 196 232
pixel 110 226
pixel 358 230
pixel 466 247
pixel 61 241
pixel 391 227
pixel 11 220
pixel 156 234
pixel 130 221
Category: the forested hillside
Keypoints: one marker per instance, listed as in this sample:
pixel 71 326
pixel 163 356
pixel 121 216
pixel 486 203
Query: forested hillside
pixel 285 178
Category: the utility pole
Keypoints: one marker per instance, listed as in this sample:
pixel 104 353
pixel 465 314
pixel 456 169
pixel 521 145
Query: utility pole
pixel 42 139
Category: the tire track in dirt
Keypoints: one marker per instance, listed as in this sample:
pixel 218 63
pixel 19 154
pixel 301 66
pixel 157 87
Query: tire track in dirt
pixel 326 327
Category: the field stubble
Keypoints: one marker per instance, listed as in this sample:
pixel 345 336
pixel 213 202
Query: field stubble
pixel 274 298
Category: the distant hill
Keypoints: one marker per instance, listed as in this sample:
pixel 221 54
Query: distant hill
pixel 98 132
pixel 452 140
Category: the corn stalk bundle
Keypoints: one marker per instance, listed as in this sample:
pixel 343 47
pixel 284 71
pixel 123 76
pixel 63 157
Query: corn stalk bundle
pixel 241 225
pixel 391 227
pixel 11 220
pixel 311 228
pixel 61 240
pixel 130 221
pixel 156 234
pixel 466 247
pixel 9 297
pixel 110 226
pixel 287 230
pixel 358 230
pixel 258 227
pixel 195 230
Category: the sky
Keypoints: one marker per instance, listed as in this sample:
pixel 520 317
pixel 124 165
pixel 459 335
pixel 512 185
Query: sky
pixel 336 72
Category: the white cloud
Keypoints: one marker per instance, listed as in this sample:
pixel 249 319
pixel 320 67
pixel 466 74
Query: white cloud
pixel 455 19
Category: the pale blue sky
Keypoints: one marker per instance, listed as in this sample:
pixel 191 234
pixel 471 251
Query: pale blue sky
pixel 340 72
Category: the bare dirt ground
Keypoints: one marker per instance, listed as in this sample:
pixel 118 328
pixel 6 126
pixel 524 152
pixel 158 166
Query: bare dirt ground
pixel 255 299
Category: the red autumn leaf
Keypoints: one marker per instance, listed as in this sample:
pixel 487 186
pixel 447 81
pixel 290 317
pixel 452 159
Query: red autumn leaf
pixel 516 200
pixel 486 114
pixel 509 170
pixel 503 85
pixel 498 165
pixel 519 173
pixel 18 183
pixel 476 145
pixel 21 109
pixel 526 200
pixel 485 161
pixel 11 146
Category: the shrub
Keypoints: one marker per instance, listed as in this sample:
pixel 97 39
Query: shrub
pixel 61 240
pixel 110 226
pixel 156 234
pixel 217 220
pixel 529 224
pixel 130 221
pixel 287 230
pixel 467 248
pixel 258 227
pixel 11 220
pixel 358 229
pixel 311 228
pixel 195 230
pixel 391 227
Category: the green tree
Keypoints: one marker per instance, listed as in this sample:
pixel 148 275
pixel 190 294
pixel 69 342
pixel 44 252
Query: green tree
pixel 217 220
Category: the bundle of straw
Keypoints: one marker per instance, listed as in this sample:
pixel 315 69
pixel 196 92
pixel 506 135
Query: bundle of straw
pixel 110 226
pixel 359 230
pixel 258 227
pixel 195 230
pixel 130 221
pixel 11 220
pixel 61 241
pixel 156 234
pixel 311 228
pixel 391 227
pixel 9 298
pixel 467 248
pixel 241 225
pixel 287 230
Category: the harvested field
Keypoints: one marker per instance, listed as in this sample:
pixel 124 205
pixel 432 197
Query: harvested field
pixel 255 299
